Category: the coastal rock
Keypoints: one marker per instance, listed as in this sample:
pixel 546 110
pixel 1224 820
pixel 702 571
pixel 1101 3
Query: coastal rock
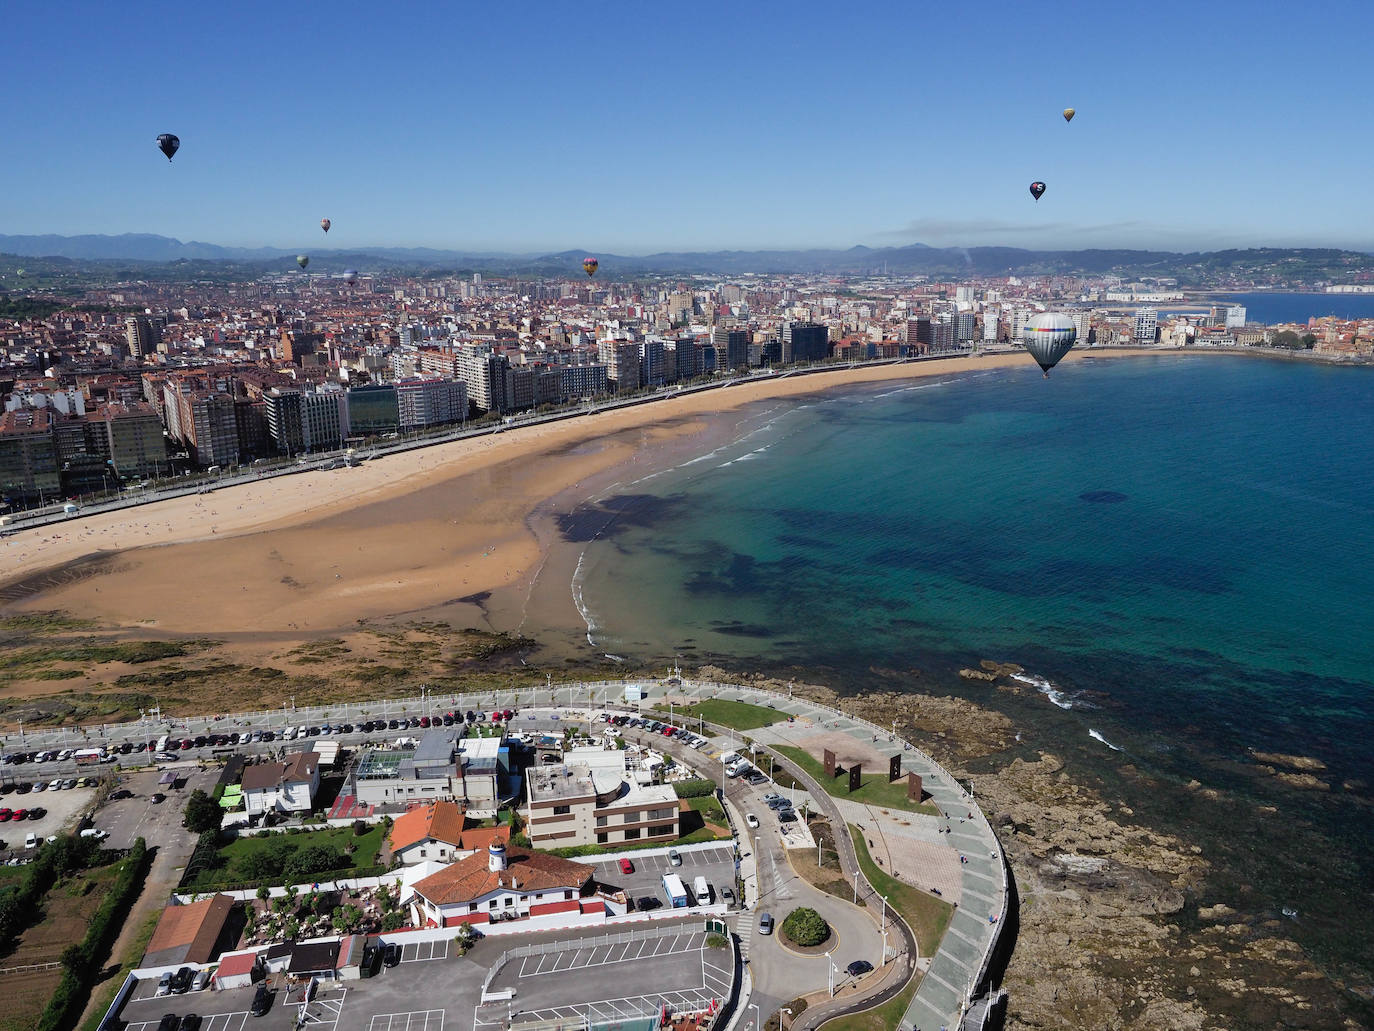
pixel 1303 781
pixel 1218 912
pixel 1293 762
pixel 978 674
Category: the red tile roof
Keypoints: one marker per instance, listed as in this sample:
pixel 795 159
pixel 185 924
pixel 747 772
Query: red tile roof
pixel 470 879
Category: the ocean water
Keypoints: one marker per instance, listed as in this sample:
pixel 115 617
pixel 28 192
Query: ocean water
pixel 1271 308
pixel 1178 549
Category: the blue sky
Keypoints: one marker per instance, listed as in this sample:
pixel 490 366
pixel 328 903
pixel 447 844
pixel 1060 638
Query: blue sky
pixel 636 127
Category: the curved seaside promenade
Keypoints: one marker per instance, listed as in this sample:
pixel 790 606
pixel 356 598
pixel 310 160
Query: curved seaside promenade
pixel 954 985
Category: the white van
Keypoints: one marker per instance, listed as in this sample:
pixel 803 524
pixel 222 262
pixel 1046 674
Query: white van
pixel 703 891
pixel 161 744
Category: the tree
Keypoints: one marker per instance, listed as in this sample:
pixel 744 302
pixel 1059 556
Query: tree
pixel 202 813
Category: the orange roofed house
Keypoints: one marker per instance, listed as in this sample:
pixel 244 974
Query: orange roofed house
pixel 196 932
pixel 439 831
pixel 501 883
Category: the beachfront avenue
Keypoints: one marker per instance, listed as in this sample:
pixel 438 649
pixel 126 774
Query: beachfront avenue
pixel 953 980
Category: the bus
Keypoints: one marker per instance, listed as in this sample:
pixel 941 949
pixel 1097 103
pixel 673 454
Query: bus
pixel 675 890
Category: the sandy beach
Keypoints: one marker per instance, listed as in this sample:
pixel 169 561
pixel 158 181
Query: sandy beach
pixel 448 526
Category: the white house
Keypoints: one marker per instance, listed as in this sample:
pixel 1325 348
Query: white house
pixel 288 787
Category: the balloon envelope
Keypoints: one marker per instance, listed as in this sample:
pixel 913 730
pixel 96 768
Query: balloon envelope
pixel 1068 114
pixel 302 260
pixel 325 224
pixel 1048 337
pixel 590 265
pixel 1037 188
pixel 168 144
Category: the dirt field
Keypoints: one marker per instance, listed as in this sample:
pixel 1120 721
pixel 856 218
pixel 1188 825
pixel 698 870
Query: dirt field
pixel 68 907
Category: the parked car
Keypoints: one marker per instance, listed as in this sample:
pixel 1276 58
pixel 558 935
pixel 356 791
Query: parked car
pixel 674 857
pixel 201 979
pixel 164 985
pixel 181 980
pixel 392 954
pixel 727 895
pixel 765 923
pixel 647 903
pixel 858 968
pixel 626 866
pixel 262 1001
pixel 37 813
pixel 157 797
pixel 190 1022
pixel 168 1022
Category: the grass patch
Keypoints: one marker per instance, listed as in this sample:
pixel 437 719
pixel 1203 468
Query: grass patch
pixel 736 715
pixel 927 916
pixel 875 789
pixel 710 809
pixel 234 860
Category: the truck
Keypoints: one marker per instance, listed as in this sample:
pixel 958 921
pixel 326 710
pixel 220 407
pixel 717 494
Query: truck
pixel 89 756
pixel 703 891
pixel 675 890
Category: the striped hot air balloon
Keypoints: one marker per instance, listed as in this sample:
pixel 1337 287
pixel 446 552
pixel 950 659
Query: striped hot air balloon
pixel 590 265
pixel 1048 337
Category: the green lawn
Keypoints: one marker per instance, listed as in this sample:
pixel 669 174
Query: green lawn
pixel 737 715
pixel 709 808
pixel 926 915
pixel 232 856
pixel 875 789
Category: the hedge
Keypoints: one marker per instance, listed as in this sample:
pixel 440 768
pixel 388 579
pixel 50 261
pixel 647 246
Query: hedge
pixel 81 963
pixel 694 788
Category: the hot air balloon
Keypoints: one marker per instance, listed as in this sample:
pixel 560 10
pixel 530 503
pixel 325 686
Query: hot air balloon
pixel 1068 114
pixel 1037 188
pixel 302 260
pixel 590 265
pixel 1048 337
pixel 19 272
pixel 168 144
pixel 351 275
pixel 325 224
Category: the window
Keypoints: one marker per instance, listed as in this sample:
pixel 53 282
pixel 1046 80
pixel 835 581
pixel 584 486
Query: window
pixel 562 810
pixel 601 821
pixel 630 817
pixel 661 830
pixel 631 833
pixel 601 838
pixel 567 896
pixel 660 814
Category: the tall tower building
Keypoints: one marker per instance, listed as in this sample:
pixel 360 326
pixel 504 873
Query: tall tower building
pixel 1146 325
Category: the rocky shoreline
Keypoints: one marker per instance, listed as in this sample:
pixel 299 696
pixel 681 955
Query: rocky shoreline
pixel 1117 929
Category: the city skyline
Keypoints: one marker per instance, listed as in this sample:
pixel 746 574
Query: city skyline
pixel 636 132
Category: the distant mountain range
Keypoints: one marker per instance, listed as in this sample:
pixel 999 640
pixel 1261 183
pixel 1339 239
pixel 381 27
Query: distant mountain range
pixel 1279 264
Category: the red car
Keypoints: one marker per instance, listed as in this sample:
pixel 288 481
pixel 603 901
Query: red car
pixel 424 721
pixel 6 815
pixel 187 744
pixel 20 814
pixel 626 866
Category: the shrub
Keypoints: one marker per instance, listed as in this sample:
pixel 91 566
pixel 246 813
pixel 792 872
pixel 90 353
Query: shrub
pixel 804 926
pixel 202 813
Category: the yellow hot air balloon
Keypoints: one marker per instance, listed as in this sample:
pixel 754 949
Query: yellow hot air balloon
pixel 1068 114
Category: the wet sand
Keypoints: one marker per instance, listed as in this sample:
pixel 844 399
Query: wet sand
pixel 467 530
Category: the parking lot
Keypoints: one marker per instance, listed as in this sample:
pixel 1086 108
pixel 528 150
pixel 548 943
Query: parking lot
pixel 632 976
pixel 64 807
pixel 715 862
pixel 125 819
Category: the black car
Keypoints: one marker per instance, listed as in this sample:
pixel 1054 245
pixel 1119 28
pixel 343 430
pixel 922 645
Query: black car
pixel 391 954
pixel 37 813
pixel 190 1022
pixel 262 1001
pixel 393 725
pixel 181 980
pixel 646 903
pixel 779 803
pixel 157 796
pixel 858 968
pixel 168 1022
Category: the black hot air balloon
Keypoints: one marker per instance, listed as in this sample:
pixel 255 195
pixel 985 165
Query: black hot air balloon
pixel 1037 189
pixel 168 144
pixel 302 260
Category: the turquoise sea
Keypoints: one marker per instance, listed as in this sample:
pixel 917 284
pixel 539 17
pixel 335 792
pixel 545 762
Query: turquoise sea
pixel 1178 549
